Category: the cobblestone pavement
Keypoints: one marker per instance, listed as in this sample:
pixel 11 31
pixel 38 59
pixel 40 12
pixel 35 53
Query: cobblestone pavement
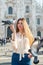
pixel 7 60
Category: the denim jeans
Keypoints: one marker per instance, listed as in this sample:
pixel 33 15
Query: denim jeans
pixel 24 61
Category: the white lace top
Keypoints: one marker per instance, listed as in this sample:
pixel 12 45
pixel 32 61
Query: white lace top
pixel 21 43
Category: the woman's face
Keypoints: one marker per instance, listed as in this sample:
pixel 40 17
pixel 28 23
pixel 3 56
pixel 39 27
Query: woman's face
pixel 20 25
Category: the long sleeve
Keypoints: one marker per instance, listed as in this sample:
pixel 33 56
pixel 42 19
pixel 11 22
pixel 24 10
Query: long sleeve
pixel 14 42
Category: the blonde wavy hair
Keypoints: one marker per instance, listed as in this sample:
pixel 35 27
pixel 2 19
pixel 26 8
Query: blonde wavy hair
pixel 27 30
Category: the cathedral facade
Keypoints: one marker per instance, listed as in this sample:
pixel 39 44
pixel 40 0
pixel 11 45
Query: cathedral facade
pixel 14 9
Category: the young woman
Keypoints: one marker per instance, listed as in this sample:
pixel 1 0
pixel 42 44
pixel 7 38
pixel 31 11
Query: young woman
pixel 22 39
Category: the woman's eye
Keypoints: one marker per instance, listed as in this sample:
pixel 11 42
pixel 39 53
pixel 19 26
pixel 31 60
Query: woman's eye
pixel 21 23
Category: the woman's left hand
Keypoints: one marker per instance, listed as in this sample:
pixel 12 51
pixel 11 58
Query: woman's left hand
pixel 30 55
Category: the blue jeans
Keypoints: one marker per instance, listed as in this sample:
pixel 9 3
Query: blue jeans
pixel 25 60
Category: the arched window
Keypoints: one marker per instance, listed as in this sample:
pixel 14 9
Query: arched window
pixel 10 10
pixel 39 33
pixel 27 9
pixel 38 21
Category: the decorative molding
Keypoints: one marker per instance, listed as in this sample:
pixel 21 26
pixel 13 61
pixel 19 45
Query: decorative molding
pixel 11 2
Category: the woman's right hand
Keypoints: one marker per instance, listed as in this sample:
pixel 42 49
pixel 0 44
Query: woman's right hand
pixel 13 31
pixel 12 28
